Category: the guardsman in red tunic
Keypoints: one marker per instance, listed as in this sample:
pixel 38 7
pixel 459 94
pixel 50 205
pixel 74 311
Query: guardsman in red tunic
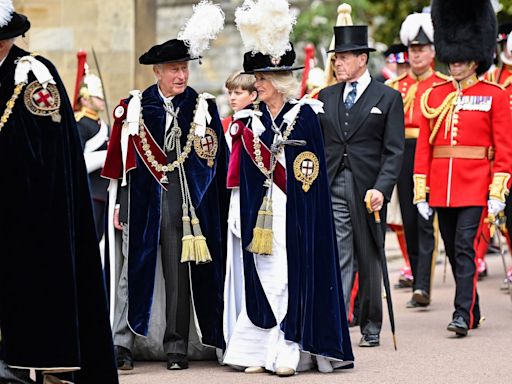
pixel 501 75
pixel 464 151
pixel 417 34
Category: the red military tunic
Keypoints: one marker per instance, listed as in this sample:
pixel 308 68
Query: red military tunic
pixel 412 87
pixel 501 76
pixel 480 120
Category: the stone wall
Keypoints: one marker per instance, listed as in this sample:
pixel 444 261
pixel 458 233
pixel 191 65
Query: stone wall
pixel 61 27
pixel 120 31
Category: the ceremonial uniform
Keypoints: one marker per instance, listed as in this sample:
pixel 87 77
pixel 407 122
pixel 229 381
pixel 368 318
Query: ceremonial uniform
pixel 293 298
pixel 419 233
pixel 53 312
pixel 94 137
pixel 464 151
pixel 167 158
pixel 154 222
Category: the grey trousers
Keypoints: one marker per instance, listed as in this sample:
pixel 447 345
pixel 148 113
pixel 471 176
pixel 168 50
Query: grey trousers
pixel 177 285
pixel 355 242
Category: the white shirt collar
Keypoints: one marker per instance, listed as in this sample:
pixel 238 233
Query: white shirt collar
pixel 362 83
pixel 167 100
pixel 1 62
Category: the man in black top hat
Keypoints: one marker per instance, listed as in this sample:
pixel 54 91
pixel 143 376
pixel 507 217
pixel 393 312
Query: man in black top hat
pixel 363 127
pixel 168 169
pixel 53 312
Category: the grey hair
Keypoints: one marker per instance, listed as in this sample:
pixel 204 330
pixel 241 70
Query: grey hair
pixel 285 83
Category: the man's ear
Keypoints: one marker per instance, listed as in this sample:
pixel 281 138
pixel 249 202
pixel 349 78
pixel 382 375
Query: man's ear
pixel 254 95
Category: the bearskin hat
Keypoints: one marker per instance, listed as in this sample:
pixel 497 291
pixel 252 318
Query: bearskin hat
pixel 465 30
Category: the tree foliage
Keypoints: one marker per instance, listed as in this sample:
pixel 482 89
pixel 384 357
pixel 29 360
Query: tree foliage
pixel 384 18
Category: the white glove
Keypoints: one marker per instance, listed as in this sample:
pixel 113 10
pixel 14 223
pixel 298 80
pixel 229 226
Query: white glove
pixel 424 210
pixel 495 206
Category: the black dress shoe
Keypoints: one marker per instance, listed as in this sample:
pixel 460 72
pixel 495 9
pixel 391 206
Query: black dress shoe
pixel 124 358
pixel 176 361
pixel 369 341
pixel 421 297
pixel 458 325
pixel 414 304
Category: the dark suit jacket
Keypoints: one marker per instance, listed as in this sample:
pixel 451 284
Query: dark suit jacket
pixel 375 142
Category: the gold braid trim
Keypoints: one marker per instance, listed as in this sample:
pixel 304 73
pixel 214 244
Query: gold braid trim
pixel 507 82
pixel 10 105
pixel 409 99
pixel 498 189
pixel 439 113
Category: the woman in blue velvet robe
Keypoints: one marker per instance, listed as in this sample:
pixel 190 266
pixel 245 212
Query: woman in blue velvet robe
pixel 293 301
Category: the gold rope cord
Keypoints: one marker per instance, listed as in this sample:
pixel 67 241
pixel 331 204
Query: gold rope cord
pixel 444 110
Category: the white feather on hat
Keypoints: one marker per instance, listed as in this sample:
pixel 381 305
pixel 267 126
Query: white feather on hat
pixel 6 11
pixel 265 26
pixel 412 24
pixel 204 25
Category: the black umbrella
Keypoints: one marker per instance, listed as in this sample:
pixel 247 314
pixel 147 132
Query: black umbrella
pixel 385 276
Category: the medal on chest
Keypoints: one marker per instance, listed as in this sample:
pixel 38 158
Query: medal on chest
pixel 42 101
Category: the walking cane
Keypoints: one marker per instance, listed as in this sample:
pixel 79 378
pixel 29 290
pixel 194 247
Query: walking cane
pixel 495 229
pixel 385 276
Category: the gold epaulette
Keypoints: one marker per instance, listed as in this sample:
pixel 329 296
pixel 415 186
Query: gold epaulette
pixel 78 116
pixel 393 83
pixel 442 75
pixel 435 85
pixel 495 84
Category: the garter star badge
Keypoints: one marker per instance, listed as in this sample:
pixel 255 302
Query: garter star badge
pixel 306 167
pixel 42 101
pixel 206 147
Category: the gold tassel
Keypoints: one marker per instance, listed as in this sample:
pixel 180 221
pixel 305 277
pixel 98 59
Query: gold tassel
pixel 202 252
pixel 261 243
pixel 187 251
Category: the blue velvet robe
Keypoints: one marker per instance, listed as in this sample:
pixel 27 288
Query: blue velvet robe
pixel 53 310
pixel 207 189
pixel 316 316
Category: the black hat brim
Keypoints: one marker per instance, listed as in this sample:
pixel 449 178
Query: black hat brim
pixel 272 69
pixel 172 51
pixel 18 26
pixel 351 48
pixel 151 61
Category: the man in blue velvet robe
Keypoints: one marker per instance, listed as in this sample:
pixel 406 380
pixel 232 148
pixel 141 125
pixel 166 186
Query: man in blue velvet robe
pixel 168 136
pixel 53 310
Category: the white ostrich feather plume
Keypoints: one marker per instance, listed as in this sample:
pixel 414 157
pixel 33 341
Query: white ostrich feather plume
pixel 6 11
pixel 204 25
pixel 413 23
pixel 509 42
pixel 265 26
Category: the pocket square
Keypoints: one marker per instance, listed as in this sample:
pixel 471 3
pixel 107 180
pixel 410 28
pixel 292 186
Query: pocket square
pixel 376 111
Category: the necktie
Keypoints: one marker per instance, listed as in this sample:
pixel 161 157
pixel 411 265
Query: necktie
pixel 351 96
pixel 170 134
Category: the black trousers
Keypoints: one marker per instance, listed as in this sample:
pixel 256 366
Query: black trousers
pixel 458 228
pixel 176 274
pixel 99 217
pixel 508 214
pixel 419 233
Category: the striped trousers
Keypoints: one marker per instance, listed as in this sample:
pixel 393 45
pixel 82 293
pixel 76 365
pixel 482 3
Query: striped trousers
pixel 355 243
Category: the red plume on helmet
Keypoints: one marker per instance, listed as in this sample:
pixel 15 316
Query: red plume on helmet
pixel 80 73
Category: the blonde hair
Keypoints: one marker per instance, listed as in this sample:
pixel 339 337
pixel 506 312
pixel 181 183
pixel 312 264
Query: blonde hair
pixel 240 80
pixel 285 83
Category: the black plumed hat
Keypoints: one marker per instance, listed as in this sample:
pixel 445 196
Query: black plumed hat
pixel 18 25
pixel 258 62
pixel 465 30
pixel 171 51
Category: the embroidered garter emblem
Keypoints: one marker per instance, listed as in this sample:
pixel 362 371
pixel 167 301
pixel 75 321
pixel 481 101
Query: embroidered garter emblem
pixel 43 102
pixel 306 167
pixel 206 147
